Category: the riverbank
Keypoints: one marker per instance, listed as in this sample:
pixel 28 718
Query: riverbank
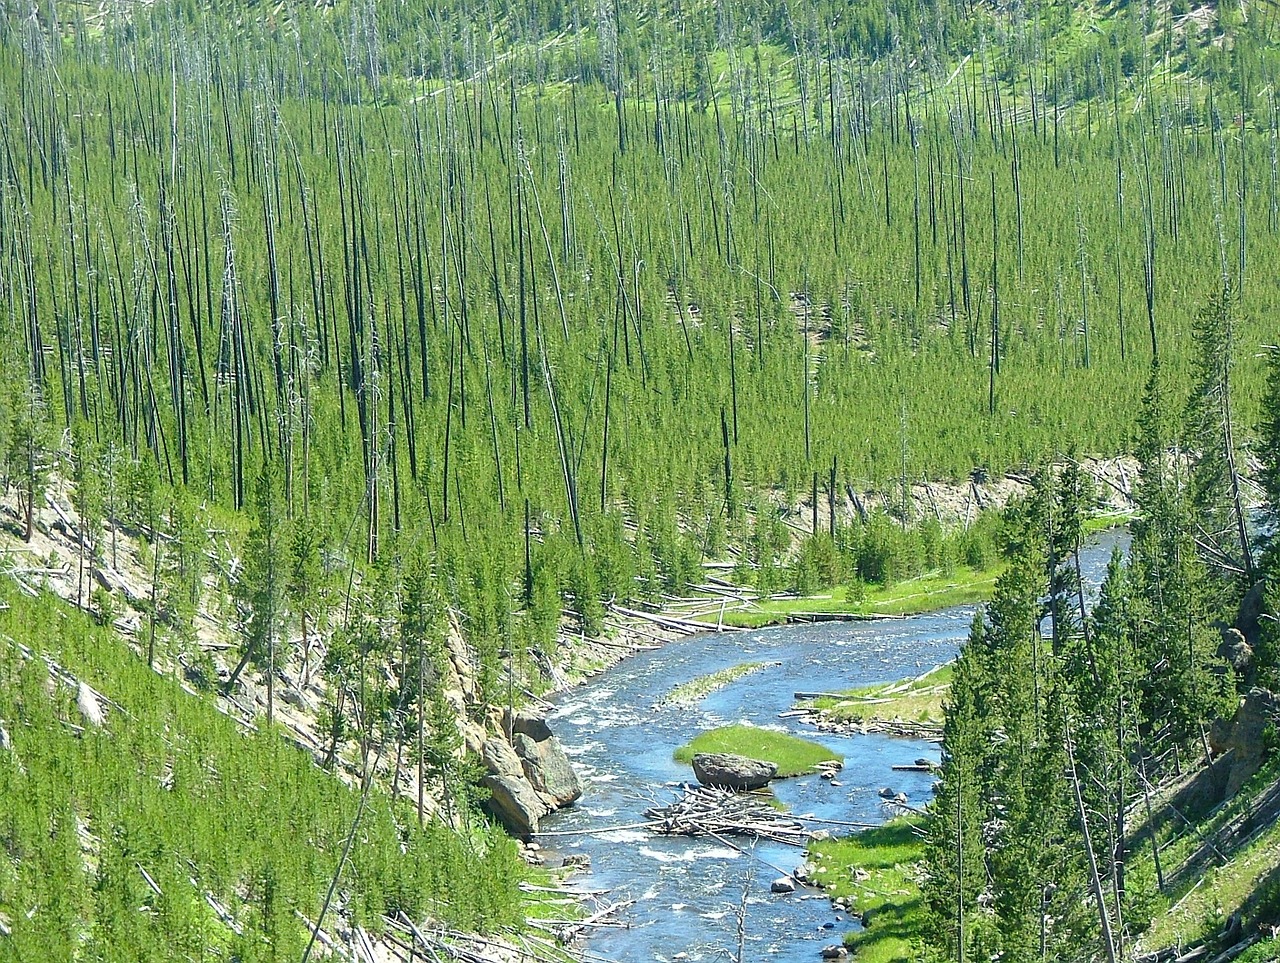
pixel 913 707
pixel 915 596
pixel 930 592
pixel 874 875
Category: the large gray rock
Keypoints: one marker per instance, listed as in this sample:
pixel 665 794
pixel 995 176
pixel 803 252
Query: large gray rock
pixel 529 723
pixel 725 770
pixel 529 779
pixel 548 769
pixel 500 759
pixel 1244 737
pixel 516 803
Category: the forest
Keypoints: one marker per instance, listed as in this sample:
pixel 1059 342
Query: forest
pixel 373 322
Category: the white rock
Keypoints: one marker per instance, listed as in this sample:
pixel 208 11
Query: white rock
pixel 87 702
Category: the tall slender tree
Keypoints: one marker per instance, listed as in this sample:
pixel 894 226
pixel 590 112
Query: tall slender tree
pixel 262 584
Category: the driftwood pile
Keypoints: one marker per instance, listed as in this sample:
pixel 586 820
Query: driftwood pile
pixel 705 811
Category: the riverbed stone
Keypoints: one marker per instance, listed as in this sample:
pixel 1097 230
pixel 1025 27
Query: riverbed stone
pixel 783 884
pixel 726 770
pixel 835 952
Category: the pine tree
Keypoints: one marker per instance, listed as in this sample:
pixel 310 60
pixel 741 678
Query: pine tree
pixel 1269 433
pixel 1168 582
pixel 28 454
pixel 304 588
pixel 87 499
pixel 261 587
pixel 1269 454
pixel 423 623
pixel 955 857
pixel 182 575
pixel 1221 533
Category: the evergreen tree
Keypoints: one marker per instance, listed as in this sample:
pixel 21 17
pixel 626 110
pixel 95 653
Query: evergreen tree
pixel 87 499
pixel 423 624
pixel 955 857
pixel 261 588
pixel 182 576
pixel 1269 433
pixel 1175 646
pixel 1221 533
pixel 305 588
pixel 28 454
pixel 1269 454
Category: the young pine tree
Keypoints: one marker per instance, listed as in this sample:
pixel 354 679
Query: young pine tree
pixel 261 589
pixel 955 855
pixel 1177 690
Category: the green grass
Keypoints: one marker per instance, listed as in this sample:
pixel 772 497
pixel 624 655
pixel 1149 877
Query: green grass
pixel 889 896
pixel 912 700
pixel 695 689
pixel 926 593
pixel 1106 522
pixel 1201 913
pixel 792 756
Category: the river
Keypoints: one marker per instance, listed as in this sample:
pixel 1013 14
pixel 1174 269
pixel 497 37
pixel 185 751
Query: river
pixel 621 737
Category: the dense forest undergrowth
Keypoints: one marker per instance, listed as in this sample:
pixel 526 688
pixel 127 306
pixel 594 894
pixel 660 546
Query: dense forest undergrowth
pixel 349 338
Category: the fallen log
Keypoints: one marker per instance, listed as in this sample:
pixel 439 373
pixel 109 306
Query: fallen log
pixel 685 625
pixel 806 618
pixel 806 696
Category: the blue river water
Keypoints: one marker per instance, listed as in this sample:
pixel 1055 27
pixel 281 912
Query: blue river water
pixel 621 734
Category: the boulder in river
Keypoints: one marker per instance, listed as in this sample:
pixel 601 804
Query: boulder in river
pixel 548 769
pixel 835 952
pixel 530 775
pixel 725 770
pixel 516 803
pixel 783 884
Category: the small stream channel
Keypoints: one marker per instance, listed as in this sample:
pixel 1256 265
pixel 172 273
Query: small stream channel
pixel 621 739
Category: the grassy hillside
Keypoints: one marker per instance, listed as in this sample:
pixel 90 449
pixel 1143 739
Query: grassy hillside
pixel 167 831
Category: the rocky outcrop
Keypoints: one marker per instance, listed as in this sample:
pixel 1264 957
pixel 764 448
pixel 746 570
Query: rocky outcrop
pixel 725 770
pixel 458 685
pixel 548 769
pixel 529 775
pixel 515 802
pixel 1253 608
pixel 1236 651
pixel 1239 742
